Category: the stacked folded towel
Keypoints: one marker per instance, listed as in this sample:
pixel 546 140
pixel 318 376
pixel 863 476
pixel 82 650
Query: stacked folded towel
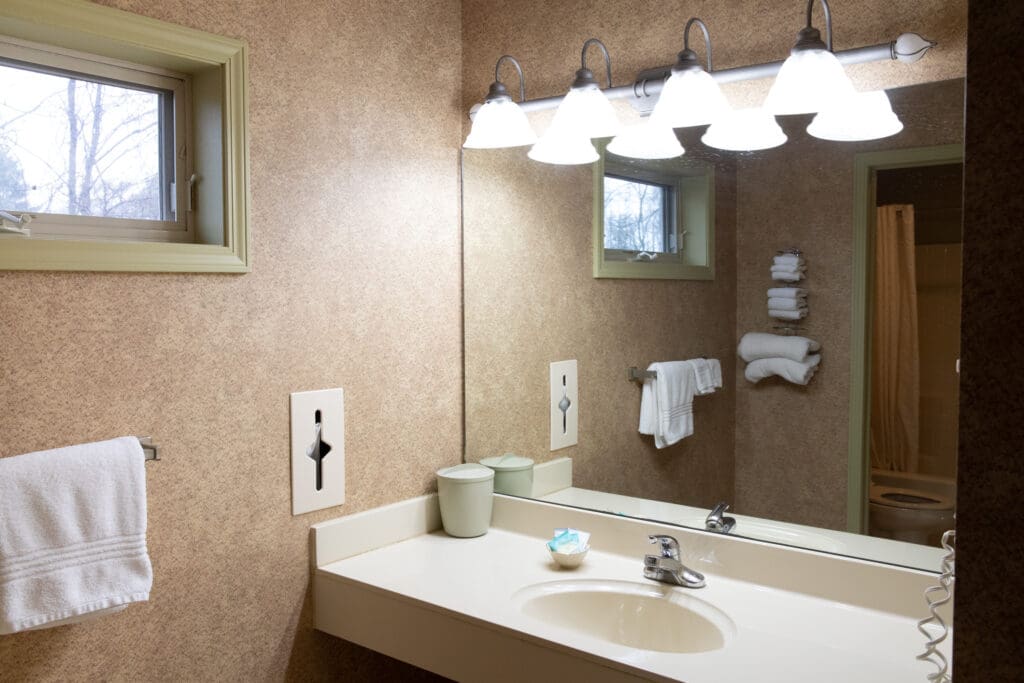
pixel 666 404
pixel 787 303
pixel 72 534
pixel 788 268
pixel 795 359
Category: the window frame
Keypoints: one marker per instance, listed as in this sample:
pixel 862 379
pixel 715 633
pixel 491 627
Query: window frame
pixel 81 66
pixel 694 183
pixel 217 66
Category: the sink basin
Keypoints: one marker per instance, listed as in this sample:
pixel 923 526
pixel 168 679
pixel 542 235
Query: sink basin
pixel 645 616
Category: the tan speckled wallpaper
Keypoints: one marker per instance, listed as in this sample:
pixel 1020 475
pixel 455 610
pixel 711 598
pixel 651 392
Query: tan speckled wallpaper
pixel 530 299
pixel 355 283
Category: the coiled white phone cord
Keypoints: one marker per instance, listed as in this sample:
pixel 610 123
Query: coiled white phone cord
pixel 933 627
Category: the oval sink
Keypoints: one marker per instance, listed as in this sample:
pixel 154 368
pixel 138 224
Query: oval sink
pixel 648 617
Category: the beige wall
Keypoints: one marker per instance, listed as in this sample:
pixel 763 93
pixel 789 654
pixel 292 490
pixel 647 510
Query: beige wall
pixel 354 284
pixel 530 299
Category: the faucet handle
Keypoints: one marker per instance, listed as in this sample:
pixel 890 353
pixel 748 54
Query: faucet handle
pixel 669 545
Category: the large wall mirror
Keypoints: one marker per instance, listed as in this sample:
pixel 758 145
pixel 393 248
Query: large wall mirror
pixel 810 465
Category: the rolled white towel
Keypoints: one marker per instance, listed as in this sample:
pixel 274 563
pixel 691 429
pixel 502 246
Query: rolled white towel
pixel 787 293
pixel 783 304
pixel 798 314
pixel 757 345
pixel 789 370
pixel 788 260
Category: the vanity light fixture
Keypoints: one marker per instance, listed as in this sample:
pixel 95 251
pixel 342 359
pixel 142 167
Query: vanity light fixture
pixel 584 113
pixel 812 77
pixel 690 96
pixel 500 122
pixel 863 116
pixel 744 130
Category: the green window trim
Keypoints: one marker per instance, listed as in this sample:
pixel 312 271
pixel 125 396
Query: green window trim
pixel 218 67
pixel 695 212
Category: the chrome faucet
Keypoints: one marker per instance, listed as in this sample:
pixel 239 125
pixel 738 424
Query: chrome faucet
pixel 667 568
pixel 718 522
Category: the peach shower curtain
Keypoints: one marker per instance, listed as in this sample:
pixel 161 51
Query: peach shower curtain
pixel 895 381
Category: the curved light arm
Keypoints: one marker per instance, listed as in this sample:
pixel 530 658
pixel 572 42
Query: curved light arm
pixel 519 70
pixel 828 20
pixel 707 38
pixel 607 57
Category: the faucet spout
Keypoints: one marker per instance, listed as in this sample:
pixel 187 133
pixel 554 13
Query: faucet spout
pixel 667 568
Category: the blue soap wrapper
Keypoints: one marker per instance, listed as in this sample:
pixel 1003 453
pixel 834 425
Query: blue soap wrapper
pixel 569 541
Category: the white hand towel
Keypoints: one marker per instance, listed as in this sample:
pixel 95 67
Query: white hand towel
pixel 787 293
pixel 72 534
pixel 788 269
pixel 789 370
pixel 649 405
pixel 708 373
pixel 788 260
pixel 788 315
pixel 784 304
pixel 756 345
pixel 675 388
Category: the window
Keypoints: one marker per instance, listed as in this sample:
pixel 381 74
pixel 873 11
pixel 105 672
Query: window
pixel 653 219
pixel 92 148
pixel 639 219
pixel 123 142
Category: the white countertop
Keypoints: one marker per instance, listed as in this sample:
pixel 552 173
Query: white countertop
pixel 780 635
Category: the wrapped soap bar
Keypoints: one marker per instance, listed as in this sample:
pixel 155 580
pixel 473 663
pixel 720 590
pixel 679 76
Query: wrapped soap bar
pixel 569 541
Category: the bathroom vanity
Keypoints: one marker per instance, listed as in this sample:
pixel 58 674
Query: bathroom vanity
pixel 497 608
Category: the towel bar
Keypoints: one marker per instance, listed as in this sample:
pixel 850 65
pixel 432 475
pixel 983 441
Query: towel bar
pixel 635 374
pixel 788 329
pixel 151 450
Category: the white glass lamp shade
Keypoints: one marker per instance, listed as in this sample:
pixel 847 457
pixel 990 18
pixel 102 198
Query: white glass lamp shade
pixel 647 140
pixel 863 116
pixel 744 130
pixel 809 81
pixel 500 123
pixel 588 110
pixel 564 146
pixel 689 98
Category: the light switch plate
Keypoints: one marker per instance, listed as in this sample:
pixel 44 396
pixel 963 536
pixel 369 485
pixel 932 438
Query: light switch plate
pixel 565 395
pixel 313 489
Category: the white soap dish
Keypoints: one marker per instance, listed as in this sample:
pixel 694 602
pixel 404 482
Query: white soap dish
pixel 569 560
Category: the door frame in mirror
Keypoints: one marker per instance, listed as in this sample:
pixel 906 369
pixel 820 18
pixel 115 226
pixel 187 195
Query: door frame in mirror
pixel 866 166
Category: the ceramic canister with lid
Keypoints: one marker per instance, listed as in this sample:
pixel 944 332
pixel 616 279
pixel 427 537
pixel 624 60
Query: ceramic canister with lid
pixel 465 493
pixel 513 474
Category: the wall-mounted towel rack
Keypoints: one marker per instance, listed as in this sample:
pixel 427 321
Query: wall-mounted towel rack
pixel 150 449
pixel 788 329
pixel 791 250
pixel 634 374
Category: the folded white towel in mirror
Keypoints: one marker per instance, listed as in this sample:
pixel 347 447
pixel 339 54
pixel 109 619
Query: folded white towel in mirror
pixel 755 345
pixel 668 413
pixel 787 293
pixel 790 370
pixel 784 304
pixel 787 268
pixel 797 314
pixel 788 260
pixel 787 277
pixel 708 372
pixel 72 534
